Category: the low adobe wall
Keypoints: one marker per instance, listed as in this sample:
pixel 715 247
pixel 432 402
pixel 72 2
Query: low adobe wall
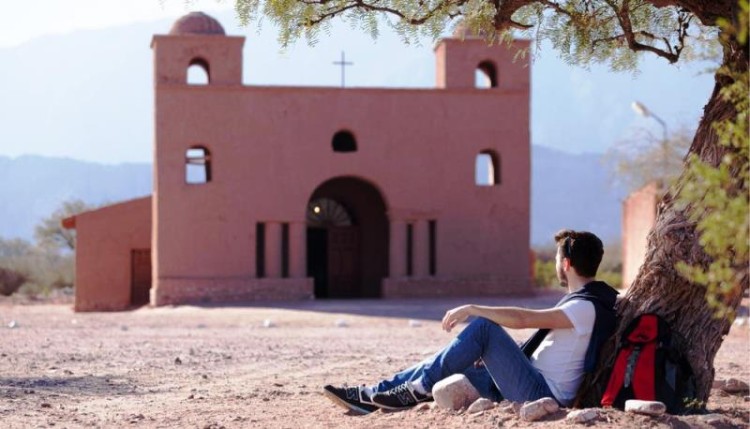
pixel 431 287
pixel 638 218
pixel 104 240
pixel 178 291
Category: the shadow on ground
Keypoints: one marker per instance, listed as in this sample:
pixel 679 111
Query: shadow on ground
pixel 413 308
pixel 88 385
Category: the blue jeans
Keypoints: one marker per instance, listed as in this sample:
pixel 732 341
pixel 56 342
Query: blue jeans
pixel 507 372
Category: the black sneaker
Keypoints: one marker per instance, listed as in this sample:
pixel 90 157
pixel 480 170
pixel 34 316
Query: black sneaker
pixel 400 397
pixel 351 398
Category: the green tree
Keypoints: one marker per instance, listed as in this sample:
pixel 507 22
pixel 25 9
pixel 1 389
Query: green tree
pixel 50 233
pixel 33 270
pixel 722 217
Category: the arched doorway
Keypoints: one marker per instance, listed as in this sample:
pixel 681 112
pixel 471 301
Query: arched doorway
pixel 347 239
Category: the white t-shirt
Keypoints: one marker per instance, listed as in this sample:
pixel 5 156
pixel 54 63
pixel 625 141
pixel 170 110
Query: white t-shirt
pixel 560 357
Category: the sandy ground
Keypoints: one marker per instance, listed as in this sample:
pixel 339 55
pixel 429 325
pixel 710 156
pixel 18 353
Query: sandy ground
pixel 213 367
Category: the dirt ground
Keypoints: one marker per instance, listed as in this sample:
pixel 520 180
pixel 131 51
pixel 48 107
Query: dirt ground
pixel 213 367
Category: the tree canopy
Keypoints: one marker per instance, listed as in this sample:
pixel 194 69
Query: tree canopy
pixel 50 233
pixel 582 31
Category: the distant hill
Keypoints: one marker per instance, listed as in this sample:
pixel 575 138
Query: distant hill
pixel 34 186
pixel 573 191
pixel 568 190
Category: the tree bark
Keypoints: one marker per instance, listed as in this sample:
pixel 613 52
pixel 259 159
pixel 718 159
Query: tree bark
pixel 659 288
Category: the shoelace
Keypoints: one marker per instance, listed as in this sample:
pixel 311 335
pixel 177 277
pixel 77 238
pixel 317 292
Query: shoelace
pixel 403 388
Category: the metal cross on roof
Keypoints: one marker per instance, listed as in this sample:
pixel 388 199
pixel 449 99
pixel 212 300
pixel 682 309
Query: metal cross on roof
pixel 343 63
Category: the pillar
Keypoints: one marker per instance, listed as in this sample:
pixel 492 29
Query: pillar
pixel 421 250
pixel 297 250
pixel 273 250
pixel 397 251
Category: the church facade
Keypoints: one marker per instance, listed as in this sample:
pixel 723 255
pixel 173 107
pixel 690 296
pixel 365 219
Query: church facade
pixel 284 193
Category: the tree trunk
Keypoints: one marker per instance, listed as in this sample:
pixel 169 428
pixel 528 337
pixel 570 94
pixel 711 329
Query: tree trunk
pixel 659 288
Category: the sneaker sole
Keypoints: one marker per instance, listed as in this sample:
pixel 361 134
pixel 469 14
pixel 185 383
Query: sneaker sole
pixel 347 405
pixel 386 407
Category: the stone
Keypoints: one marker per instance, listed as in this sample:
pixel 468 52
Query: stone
pixel 268 323
pixel 713 419
pixel 510 407
pixel 583 416
pixel 480 405
pixel 424 406
pixel 414 323
pixel 454 392
pixel 341 323
pixel 734 385
pixel 532 411
pixel 13 324
pixel 718 384
pixel 649 408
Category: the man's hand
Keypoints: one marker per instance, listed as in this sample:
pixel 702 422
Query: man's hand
pixel 456 316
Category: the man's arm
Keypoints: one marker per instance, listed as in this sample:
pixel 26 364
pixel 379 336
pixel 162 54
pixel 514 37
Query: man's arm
pixel 510 317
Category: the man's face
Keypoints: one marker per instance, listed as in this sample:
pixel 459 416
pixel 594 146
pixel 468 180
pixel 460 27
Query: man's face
pixel 562 276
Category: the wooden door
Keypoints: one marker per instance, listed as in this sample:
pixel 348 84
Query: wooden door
pixel 140 286
pixel 344 270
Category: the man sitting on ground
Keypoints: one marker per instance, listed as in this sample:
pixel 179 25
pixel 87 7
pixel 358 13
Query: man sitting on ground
pixel 552 363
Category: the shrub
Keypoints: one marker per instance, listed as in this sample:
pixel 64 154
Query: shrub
pixel 10 281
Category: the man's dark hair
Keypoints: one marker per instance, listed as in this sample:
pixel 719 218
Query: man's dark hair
pixel 582 248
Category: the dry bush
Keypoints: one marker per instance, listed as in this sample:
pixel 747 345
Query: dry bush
pixel 10 281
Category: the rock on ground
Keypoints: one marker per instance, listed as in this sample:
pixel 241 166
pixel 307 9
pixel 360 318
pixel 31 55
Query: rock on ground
pixel 583 416
pixel 480 404
pixel 533 411
pixel 734 385
pixel 510 407
pixel 650 408
pixel 454 392
pixel 713 419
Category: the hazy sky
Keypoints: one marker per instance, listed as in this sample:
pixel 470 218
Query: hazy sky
pixel 24 20
pixel 573 109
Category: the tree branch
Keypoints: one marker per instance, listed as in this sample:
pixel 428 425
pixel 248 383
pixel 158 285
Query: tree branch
pixel 623 17
pixel 707 11
pixel 371 7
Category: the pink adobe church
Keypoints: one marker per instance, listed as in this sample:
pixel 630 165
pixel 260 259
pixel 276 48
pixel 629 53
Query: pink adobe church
pixel 286 193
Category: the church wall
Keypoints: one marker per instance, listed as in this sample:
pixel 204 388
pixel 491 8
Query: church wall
pixel 104 241
pixel 271 147
pixel 638 218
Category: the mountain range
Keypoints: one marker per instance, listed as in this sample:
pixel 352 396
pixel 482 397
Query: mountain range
pixel 567 191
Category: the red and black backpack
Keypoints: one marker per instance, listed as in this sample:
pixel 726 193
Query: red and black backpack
pixel 648 367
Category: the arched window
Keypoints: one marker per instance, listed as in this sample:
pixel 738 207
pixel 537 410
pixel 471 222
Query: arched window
pixel 197 165
pixel 487 168
pixel 486 75
pixel 198 72
pixel 343 141
pixel 325 212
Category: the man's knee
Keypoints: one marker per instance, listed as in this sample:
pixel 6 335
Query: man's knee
pixel 484 325
pixel 483 322
pixel 486 329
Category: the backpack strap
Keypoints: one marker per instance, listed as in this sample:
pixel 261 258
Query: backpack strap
pixel 617 378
